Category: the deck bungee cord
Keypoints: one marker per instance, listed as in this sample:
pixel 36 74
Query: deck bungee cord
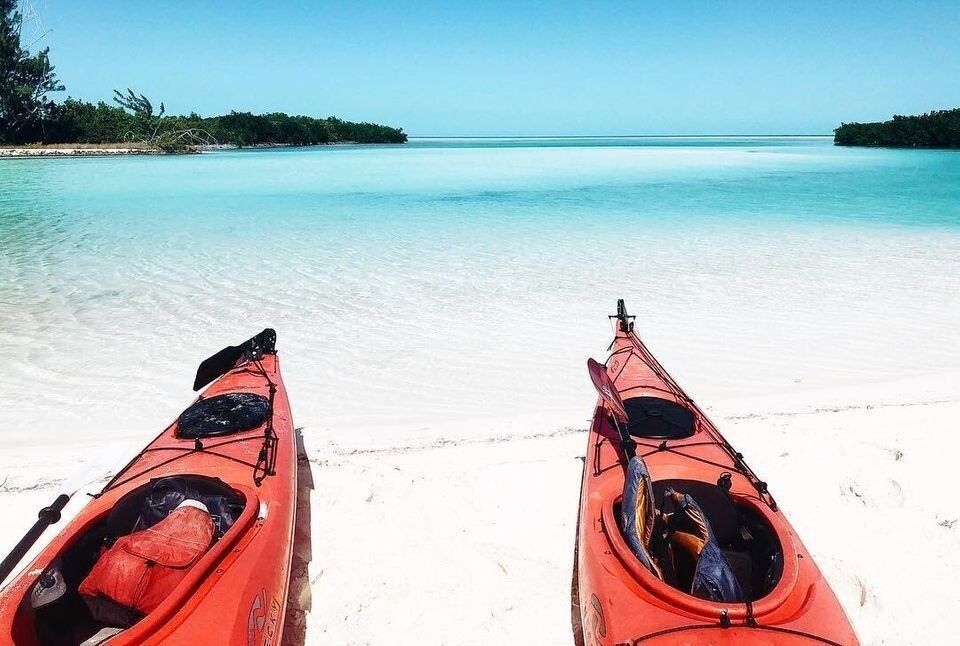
pixel 266 459
pixel 738 463
pixel 727 624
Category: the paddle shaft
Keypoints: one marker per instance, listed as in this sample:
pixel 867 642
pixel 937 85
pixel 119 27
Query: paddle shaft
pixel 48 516
pixel 626 442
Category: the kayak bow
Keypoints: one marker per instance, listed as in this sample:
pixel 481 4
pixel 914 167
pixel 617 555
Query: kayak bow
pixel 235 449
pixel 683 543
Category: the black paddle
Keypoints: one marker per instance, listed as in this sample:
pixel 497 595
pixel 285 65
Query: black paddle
pixel 609 394
pixel 48 516
pixel 223 362
pixel 101 465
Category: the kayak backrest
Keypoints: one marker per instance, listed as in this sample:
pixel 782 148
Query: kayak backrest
pixel 745 539
pixel 719 510
pixel 710 575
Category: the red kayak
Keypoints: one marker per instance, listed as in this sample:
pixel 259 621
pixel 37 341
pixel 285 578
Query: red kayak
pixel 191 542
pixel 678 541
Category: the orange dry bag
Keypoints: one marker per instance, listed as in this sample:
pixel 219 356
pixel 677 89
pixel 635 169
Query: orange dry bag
pixel 140 570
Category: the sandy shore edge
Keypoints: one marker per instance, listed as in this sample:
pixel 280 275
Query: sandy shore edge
pixel 76 151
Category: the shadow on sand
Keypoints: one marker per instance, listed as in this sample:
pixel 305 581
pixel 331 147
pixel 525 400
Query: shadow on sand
pixel 298 596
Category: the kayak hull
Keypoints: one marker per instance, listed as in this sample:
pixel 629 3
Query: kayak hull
pixel 236 593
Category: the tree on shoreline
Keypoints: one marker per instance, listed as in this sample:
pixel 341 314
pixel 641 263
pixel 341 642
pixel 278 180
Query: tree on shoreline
pixel 28 115
pixel 142 109
pixel 25 80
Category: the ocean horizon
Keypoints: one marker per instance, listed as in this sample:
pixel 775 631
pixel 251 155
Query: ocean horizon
pixel 716 135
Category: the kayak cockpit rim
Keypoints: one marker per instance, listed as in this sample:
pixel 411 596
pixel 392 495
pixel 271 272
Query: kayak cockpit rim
pixel 704 608
pixel 200 574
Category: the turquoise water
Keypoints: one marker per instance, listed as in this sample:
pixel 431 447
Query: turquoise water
pixel 439 280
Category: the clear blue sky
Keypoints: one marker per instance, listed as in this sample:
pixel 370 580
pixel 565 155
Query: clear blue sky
pixel 443 68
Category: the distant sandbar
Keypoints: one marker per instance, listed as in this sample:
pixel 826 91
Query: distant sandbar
pixel 78 150
pixel 105 150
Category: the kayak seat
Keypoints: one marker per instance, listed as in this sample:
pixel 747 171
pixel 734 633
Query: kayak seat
pixel 697 556
pixel 745 540
pixel 716 505
pixel 742 565
pixel 699 540
pixel 659 419
pixel 638 513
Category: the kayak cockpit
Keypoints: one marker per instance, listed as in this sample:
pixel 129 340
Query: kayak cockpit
pixel 60 608
pixel 746 541
pixel 697 537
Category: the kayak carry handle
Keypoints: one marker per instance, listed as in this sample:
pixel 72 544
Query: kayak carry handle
pixel 626 320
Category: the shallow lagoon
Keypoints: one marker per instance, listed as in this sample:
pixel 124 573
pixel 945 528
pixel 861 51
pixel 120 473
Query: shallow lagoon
pixel 447 279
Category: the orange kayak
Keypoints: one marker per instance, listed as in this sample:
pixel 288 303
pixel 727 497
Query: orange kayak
pixel 678 541
pixel 229 460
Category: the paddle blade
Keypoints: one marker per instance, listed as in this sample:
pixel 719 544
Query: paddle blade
pixel 223 362
pixel 608 391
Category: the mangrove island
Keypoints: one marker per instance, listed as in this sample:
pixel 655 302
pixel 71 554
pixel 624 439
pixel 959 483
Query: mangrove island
pixel 33 123
pixel 936 129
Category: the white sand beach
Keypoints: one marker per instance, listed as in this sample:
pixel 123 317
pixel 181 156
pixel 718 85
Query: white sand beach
pixel 868 491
